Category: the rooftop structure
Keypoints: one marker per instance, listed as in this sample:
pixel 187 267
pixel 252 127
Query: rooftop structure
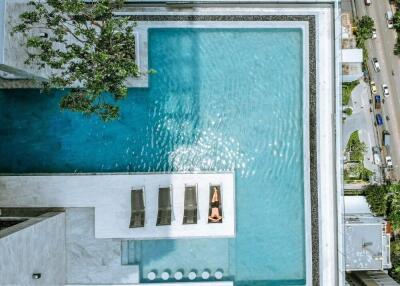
pixel 367 243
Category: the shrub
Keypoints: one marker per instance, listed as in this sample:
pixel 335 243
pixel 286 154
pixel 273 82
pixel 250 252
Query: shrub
pixel 348 111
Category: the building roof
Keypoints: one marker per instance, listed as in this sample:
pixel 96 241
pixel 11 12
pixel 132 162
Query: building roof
pixel 367 244
pixel 352 55
pixel 356 205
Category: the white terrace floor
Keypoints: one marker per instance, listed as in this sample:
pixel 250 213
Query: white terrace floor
pixel 110 195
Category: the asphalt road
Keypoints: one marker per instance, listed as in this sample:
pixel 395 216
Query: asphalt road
pixel 382 49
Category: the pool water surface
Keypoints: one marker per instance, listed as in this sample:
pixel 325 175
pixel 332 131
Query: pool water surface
pixel 221 99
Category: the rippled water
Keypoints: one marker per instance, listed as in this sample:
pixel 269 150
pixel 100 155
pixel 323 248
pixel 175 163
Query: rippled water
pixel 221 100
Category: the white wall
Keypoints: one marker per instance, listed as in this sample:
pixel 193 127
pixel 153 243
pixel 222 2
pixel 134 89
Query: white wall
pixel 34 246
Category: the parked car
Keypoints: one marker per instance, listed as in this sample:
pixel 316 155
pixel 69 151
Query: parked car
pixel 376 65
pixel 389 162
pixel 367 2
pixel 373 87
pixel 379 119
pixel 376 154
pixel 385 89
pixel 373 34
pixel 377 101
pixel 386 138
pixel 389 19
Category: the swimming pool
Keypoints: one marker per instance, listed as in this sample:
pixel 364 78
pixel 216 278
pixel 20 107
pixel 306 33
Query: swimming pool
pixel 222 99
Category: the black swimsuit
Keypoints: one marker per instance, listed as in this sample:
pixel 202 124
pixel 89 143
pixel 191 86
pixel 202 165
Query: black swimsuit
pixel 215 204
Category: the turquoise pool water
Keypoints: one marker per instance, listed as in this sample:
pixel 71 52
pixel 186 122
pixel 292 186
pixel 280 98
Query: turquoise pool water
pixel 222 99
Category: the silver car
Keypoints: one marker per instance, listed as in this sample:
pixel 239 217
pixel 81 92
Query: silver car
pixel 385 89
pixel 376 65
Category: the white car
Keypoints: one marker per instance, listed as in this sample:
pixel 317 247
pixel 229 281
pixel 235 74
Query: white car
pixel 385 89
pixel 389 19
pixel 376 65
pixel 389 162
pixel 373 34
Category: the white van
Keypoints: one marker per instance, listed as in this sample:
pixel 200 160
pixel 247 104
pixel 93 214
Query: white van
pixel 389 19
pixel 367 2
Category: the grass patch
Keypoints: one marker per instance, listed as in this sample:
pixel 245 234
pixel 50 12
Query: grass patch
pixel 347 88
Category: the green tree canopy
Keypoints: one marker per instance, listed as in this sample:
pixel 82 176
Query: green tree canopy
pixel 394 206
pixel 356 147
pixel 364 25
pixel 396 21
pixel 377 198
pixel 395 259
pixel 396 50
pixel 98 60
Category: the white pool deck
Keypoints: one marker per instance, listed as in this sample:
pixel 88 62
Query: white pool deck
pixel 110 195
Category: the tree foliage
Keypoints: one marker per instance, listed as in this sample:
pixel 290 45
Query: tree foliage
pixel 396 21
pixel 385 201
pixel 377 198
pixel 394 206
pixel 364 27
pixel 394 272
pixel 396 50
pixel 356 148
pixel 87 46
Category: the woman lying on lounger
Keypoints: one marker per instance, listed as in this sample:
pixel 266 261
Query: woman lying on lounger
pixel 215 216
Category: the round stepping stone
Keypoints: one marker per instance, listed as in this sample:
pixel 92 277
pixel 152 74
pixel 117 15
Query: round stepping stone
pixel 218 275
pixel 178 275
pixel 151 275
pixel 192 275
pixel 205 275
pixel 165 275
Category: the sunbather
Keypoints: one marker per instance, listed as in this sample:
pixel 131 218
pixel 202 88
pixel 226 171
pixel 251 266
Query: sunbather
pixel 215 215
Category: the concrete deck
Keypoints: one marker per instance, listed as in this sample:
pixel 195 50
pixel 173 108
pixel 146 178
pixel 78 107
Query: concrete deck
pixel 90 260
pixel 110 195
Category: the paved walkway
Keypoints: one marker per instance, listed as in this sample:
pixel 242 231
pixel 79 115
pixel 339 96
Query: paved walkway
pixel 362 119
pixel 110 195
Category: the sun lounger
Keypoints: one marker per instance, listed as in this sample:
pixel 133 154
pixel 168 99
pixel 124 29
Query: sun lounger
pixel 137 208
pixel 190 207
pixel 218 187
pixel 164 206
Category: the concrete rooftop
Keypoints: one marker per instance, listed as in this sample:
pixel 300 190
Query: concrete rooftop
pixel 110 195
